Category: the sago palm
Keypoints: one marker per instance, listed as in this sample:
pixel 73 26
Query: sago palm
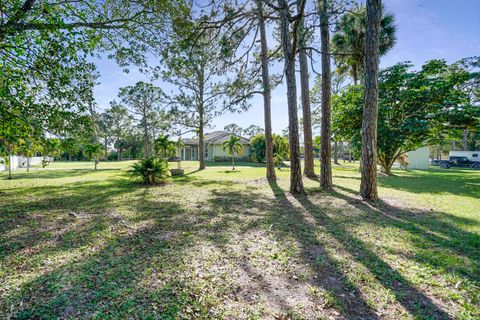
pixel 151 170
pixel 232 146
pixel 348 43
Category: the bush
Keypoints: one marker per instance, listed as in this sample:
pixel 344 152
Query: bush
pixel 257 145
pixel 177 172
pixel 229 158
pixel 112 156
pixel 151 170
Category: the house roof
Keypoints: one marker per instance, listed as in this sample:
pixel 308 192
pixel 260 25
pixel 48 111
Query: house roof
pixel 216 137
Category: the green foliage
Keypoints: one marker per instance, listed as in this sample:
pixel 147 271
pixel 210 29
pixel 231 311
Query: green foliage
pixel 50 148
pixel 164 147
pixel 280 148
pixel 281 151
pixel 226 159
pixel 413 105
pixel 94 151
pixel 258 147
pixel 233 146
pixel 151 170
pixel 349 40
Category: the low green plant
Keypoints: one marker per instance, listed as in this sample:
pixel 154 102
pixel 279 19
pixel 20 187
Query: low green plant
pixel 151 170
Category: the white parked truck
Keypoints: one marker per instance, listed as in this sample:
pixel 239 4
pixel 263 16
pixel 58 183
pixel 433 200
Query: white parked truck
pixel 473 156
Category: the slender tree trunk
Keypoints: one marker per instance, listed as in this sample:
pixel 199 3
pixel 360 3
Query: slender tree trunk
pixel 9 167
pixel 309 167
pixel 288 47
pixel 368 185
pixel 354 74
pixel 326 132
pixel 233 160
pixel 201 145
pixel 465 140
pixel 28 164
pixel 95 164
pixel 335 152
pixel 454 145
pixel 266 93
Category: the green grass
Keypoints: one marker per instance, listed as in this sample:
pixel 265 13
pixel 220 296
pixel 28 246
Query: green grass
pixel 75 243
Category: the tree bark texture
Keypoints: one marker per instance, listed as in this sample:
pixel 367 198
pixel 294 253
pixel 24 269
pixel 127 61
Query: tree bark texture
pixel 201 145
pixel 309 167
pixel 266 93
pixel 326 131
pixel 368 185
pixel 288 47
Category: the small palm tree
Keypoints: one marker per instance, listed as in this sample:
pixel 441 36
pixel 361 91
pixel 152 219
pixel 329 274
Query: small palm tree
pixel 232 146
pixel 164 148
pixel 94 151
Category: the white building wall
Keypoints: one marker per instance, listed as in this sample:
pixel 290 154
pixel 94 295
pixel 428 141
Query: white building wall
pixel 419 158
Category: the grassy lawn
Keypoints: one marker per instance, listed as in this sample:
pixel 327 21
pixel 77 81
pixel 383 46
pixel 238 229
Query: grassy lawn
pixel 222 244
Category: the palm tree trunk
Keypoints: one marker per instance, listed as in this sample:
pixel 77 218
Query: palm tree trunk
pixel 326 133
pixel 266 92
pixel 309 167
pixel 368 185
pixel 296 183
pixel 233 160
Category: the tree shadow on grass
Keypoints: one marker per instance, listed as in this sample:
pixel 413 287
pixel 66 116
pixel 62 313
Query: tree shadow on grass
pixel 281 219
pixel 431 232
pixel 459 182
pixel 417 304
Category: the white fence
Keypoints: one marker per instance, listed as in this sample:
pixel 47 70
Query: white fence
pixel 17 162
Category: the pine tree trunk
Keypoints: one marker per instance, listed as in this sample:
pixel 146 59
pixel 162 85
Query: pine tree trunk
pixel 309 167
pixel 266 93
pixel 368 185
pixel 326 133
pixel 335 152
pixel 296 183
pixel 201 145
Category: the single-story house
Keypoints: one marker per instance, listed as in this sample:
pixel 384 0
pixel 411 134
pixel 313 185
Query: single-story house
pixel 213 147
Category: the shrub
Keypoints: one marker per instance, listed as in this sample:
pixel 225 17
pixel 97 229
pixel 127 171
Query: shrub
pixel 229 159
pixel 177 172
pixel 151 170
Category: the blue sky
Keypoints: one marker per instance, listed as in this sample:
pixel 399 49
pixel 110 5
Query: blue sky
pixel 426 29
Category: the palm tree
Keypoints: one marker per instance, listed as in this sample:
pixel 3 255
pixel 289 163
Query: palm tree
pixel 232 146
pixel 349 41
pixel 164 148
pixel 94 151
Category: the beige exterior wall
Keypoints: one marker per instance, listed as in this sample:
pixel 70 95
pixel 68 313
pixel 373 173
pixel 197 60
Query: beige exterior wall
pixel 217 150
